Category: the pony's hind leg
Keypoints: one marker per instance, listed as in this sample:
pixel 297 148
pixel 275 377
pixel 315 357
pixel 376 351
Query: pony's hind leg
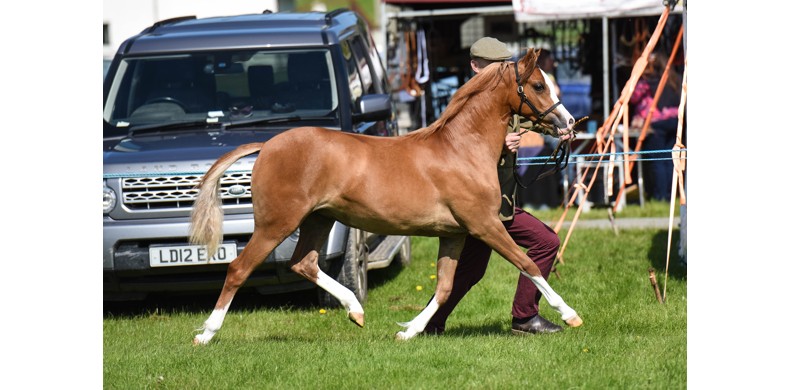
pixel 313 233
pixel 449 252
pixel 239 270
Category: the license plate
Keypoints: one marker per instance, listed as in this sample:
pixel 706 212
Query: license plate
pixel 169 256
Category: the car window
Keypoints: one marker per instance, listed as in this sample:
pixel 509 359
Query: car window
pixel 222 85
pixel 376 62
pixel 363 68
pixel 354 79
pixel 107 63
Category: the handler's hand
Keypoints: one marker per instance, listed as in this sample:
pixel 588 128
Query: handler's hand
pixel 512 141
pixel 566 134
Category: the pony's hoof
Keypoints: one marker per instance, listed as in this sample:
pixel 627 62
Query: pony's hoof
pixel 357 318
pixel 401 336
pixel 199 340
pixel 574 322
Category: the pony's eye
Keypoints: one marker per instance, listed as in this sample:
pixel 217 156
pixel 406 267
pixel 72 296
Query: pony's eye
pixel 539 87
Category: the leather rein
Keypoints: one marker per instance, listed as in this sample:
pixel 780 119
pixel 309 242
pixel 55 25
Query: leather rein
pixel 562 146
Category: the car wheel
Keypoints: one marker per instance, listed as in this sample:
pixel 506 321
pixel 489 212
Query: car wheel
pixel 404 255
pixel 351 272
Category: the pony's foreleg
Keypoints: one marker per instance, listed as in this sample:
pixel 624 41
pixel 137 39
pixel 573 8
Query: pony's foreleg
pixel 499 240
pixel 449 252
pixel 418 324
pixel 555 301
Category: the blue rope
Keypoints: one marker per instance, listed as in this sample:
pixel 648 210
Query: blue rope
pixel 523 161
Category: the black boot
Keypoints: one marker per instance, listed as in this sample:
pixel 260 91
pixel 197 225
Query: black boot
pixel 534 325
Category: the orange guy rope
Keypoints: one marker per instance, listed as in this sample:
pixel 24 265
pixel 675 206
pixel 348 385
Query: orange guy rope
pixel 659 90
pixel 614 118
pixel 676 173
pixel 625 96
pixel 626 148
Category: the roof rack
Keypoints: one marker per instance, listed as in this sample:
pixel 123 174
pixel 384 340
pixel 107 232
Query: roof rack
pixel 169 21
pixel 331 14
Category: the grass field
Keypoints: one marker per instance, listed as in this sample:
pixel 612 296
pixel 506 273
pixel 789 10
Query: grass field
pixel 628 340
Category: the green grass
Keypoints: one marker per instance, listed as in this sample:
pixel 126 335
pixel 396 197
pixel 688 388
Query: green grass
pixel 651 209
pixel 628 340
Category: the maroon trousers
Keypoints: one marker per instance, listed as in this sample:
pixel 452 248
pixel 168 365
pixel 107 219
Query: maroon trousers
pixel 528 232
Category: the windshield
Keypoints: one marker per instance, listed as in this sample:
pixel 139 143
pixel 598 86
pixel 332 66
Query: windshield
pixel 220 87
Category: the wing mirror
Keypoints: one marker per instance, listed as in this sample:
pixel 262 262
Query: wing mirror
pixel 374 107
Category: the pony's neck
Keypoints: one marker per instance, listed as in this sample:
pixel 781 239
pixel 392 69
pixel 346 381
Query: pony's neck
pixel 480 124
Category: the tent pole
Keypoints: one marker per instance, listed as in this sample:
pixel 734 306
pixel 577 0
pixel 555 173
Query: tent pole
pixel 383 27
pixel 605 37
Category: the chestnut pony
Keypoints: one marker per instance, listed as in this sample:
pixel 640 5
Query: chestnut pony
pixel 438 181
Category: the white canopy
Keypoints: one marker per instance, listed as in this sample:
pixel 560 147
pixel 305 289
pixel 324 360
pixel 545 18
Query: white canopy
pixel 542 10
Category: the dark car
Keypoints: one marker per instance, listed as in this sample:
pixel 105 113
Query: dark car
pixel 185 91
pixel 106 64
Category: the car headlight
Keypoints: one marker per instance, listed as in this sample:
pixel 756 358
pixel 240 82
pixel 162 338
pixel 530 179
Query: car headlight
pixel 109 199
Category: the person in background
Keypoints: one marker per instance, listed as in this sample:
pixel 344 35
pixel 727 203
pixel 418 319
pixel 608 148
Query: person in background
pixel 527 231
pixel 546 62
pixel 663 124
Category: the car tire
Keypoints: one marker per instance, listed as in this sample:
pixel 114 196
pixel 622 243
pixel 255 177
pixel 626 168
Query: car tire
pixel 351 272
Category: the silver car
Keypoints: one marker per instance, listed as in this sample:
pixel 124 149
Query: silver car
pixel 185 91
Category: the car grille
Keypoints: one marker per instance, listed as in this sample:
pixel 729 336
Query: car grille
pixel 178 191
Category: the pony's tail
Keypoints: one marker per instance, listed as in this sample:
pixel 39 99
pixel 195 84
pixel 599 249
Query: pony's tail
pixel 206 226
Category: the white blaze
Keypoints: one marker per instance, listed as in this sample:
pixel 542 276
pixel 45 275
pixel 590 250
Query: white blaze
pixel 561 110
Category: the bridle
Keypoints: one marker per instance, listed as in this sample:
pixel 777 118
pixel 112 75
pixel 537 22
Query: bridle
pixel 524 99
pixel 562 146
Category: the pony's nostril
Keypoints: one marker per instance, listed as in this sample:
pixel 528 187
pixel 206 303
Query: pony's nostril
pixel 571 121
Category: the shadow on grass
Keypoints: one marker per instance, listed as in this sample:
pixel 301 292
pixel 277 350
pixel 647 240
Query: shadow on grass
pixel 204 302
pixel 491 328
pixel 658 255
pixel 245 299
pixel 379 277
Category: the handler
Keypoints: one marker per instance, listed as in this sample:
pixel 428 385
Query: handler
pixel 541 242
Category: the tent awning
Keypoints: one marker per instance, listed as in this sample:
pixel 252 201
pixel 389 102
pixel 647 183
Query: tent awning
pixel 542 10
pixel 532 10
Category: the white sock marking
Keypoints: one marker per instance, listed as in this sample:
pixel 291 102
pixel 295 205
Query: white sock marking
pixel 418 324
pixel 554 299
pixel 343 294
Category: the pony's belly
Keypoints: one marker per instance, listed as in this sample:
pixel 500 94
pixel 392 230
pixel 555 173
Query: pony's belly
pixel 397 220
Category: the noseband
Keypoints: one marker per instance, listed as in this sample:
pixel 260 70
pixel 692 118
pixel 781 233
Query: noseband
pixel 562 146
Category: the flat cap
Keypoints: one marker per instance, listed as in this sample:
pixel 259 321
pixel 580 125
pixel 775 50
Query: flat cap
pixel 490 49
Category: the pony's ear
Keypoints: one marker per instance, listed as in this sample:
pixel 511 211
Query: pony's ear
pixel 529 61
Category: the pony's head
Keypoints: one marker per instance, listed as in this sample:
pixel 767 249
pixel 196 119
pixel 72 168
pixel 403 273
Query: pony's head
pixel 535 96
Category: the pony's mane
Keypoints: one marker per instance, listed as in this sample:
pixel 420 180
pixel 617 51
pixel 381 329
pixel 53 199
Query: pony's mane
pixel 475 85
